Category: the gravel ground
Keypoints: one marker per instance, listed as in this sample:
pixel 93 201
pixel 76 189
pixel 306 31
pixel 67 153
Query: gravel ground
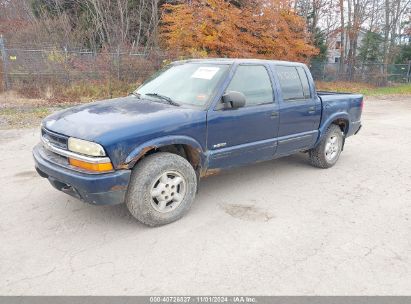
pixel 274 228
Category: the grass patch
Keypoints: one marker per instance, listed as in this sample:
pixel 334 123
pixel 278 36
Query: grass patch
pixel 82 91
pixel 21 112
pixel 364 88
pixel 22 117
pixel 394 90
pixel 88 91
pixel 37 112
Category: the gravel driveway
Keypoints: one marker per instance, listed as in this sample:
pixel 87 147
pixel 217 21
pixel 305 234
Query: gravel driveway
pixel 280 227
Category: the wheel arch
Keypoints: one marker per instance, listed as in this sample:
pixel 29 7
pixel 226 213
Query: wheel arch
pixel 340 119
pixel 184 146
pixel 343 123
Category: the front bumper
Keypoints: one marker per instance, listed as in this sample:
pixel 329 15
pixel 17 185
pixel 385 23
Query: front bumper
pixel 99 189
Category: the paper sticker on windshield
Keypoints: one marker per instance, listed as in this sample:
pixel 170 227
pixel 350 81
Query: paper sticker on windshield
pixel 205 73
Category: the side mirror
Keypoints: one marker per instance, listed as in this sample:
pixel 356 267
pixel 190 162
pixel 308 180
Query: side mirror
pixel 234 99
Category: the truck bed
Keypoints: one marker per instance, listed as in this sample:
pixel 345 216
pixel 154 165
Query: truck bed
pixel 335 102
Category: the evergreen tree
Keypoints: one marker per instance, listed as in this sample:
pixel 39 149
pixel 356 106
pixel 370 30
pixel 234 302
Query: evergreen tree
pixel 371 48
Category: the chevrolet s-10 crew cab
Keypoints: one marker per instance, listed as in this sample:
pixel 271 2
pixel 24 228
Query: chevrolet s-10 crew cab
pixel 191 119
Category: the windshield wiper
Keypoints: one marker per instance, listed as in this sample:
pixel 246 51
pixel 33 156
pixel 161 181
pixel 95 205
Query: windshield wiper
pixel 163 97
pixel 138 95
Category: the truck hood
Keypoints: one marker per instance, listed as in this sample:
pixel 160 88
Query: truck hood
pixel 108 121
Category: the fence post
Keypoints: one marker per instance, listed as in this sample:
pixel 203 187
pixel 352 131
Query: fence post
pixel 109 80
pixel 66 68
pixel 409 72
pixel 4 57
pixel 118 62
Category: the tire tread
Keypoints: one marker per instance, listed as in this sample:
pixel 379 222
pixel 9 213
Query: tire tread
pixel 317 154
pixel 144 172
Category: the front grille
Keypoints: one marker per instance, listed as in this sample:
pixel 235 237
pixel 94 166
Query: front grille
pixel 57 140
pixel 53 157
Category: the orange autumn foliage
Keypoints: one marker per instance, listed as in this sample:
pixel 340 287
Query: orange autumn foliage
pixel 215 28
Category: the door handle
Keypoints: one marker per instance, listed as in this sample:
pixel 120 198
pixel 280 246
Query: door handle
pixel 274 114
pixel 311 110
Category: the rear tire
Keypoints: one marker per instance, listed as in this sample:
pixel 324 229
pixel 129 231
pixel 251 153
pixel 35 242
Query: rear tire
pixel 162 189
pixel 328 151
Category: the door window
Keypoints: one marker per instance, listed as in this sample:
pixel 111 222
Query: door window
pixel 254 82
pixel 304 82
pixel 294 83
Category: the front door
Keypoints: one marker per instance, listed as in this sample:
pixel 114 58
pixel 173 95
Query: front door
pixel 247 134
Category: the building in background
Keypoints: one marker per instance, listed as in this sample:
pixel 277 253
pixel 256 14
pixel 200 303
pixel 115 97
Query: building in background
pixel 334 44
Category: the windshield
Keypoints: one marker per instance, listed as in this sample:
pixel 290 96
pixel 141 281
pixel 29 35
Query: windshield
pixel 185 84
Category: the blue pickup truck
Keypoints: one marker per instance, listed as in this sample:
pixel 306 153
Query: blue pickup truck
pixel 191 119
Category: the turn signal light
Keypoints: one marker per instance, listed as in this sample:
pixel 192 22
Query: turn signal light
pixel 103 167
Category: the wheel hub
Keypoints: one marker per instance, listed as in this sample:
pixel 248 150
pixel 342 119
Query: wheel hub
pixel 168 191
pixel 332 147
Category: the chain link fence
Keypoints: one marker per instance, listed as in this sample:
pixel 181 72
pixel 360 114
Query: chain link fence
pixel 39 71
pixel 52 70
pixel 374 73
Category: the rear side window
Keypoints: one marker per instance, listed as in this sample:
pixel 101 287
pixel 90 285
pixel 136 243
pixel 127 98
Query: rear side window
pixel 304 82
pixel 253 81
pixel 294 83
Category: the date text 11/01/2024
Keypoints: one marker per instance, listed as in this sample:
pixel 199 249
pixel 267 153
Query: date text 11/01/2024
pixel 203 299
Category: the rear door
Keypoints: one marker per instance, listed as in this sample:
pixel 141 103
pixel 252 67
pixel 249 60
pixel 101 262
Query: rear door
pixel 300 110
pixel 247 134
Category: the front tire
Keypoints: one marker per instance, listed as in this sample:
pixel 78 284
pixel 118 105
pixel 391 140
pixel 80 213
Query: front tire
pixel 328 151
pixel 162 189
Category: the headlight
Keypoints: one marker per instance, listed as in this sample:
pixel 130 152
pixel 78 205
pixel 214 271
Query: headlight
pixel 85 147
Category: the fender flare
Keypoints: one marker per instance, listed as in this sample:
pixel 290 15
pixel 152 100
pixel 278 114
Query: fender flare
pixel 156 143
pixel 336 116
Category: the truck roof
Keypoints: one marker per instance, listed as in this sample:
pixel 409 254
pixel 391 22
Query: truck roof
pixel 238 60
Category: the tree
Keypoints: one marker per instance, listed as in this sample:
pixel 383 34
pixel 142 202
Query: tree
pixel 404 55
pixel 318 62
pixel 370 50
pixel 320 44
pixel 14 16
pixel 86 23
pixel 261 29
pixel 394 13
pixel 342 36
pixel 357 15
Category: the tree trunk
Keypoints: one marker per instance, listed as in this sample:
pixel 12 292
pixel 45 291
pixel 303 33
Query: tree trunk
pixel 342 46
